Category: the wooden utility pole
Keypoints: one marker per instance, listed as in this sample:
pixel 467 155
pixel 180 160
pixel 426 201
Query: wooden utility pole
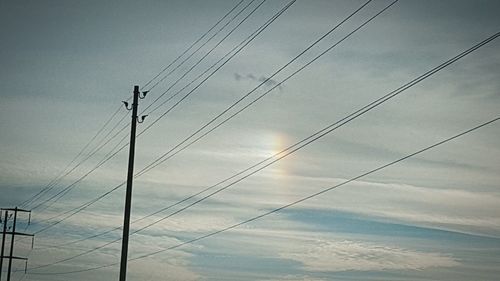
pixel 130 177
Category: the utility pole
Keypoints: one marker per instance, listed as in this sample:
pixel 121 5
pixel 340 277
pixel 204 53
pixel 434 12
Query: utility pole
pixel 130 177
pixel 3 241
pixel 13 234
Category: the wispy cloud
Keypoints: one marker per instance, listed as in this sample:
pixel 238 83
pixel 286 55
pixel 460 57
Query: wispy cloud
pixel 252 77
pixel 331 256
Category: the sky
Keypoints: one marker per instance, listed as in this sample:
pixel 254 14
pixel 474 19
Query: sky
pixel 67 65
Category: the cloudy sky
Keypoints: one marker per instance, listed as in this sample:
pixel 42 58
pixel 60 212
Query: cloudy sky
pixel 67 65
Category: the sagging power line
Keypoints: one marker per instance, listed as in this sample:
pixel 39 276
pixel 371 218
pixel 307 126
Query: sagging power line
pixel 99 145
pixel 293 148
pixel 80 208
pixel 265 214
pixel 194 240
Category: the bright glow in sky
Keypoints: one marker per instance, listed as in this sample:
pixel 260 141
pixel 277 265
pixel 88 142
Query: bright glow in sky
pixel 67 65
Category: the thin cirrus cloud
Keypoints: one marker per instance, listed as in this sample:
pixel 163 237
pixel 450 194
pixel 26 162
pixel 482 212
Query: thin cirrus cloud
pixel 69 64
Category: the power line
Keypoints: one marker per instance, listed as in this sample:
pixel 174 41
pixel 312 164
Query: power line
pixel 241 99
pixel 321 133
pixel 80 208
pixel 52 182
pixel 283 206
pixel 192 45
pixel 98 146
pixel 85 205
pixel 66 190
pixel 328 129
pixel 211 50
pixel 56 197
pixel 159 160
pixel 227 57
pixel 107 157
pixel 456 58
pixel 343 21
pixel 189 48
pixel 310 139
pixel 201 46
pixel 71 186
pixel 465 54
pixel 149 167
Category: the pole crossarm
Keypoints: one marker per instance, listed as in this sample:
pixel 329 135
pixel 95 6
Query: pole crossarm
pixel 14 209
pixel 17 258
pixel 18 210
pixel 19 233
pixel 14 258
